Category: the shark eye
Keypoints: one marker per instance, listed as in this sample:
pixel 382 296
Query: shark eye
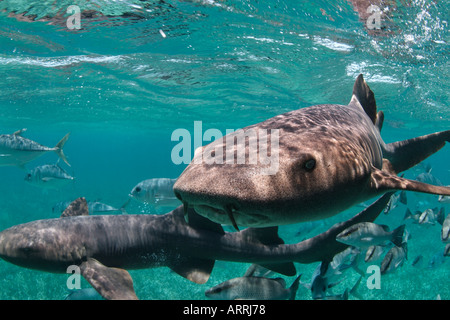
pixel 310 164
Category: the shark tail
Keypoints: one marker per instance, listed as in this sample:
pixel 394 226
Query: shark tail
pixel 59 148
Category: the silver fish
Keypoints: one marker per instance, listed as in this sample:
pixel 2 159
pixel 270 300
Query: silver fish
pixel 418 261
pixel 394 259
pixel 347 292
pixel 50 176
pixel 427 177
pixel 437 260
pixel 253 288
pixel 445 231
pixel 157 192
pixel 374 253
pixel 325 277
pixel 366 234
pixel 413 216
pixel 431 216
pixel 84 294
pixel 16 150
pixel 444 199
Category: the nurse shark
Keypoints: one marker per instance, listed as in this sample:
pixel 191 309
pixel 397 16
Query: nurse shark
pixel 103 246
pixel 330 157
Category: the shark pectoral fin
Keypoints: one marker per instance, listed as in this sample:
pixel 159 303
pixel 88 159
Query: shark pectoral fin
pixel 111 283
pixel 406 154
pixel 194 269
pixel 385 181
pixel 78 207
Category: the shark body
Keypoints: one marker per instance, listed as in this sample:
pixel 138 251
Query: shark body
pixel 104 246
pixel 330 157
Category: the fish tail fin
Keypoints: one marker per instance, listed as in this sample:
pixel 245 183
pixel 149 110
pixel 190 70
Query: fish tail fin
pixel 59 148
pixel 294 287
pixel 397 235
pixel 441 216
pixel 123 208
pixel 408 214
pixel 407 153
pixel 354 291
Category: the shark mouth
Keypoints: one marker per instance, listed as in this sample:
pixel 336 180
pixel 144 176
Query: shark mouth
pixel 225 212
pixel 214 214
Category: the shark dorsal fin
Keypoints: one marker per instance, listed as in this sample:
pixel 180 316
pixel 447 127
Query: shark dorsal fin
pixel 269 236
pixel 78 207
pixel 365 98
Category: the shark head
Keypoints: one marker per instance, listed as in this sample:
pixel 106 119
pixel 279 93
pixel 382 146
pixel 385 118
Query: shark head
pixel 30 246
pixel 44 244
pixel 329 157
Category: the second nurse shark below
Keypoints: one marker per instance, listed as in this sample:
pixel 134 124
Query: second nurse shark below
pixel 330 157
pixel 104 246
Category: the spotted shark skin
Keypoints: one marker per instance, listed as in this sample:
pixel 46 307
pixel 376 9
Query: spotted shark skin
pixel 331 157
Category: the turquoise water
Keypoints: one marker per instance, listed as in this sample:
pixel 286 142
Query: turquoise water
pixel 138 70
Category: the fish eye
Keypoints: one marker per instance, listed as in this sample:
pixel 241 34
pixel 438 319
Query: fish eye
pixel 138 189
pixel 309 164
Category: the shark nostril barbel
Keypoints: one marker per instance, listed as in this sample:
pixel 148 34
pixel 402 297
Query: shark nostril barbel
pixel 185 211
pixel 229 210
